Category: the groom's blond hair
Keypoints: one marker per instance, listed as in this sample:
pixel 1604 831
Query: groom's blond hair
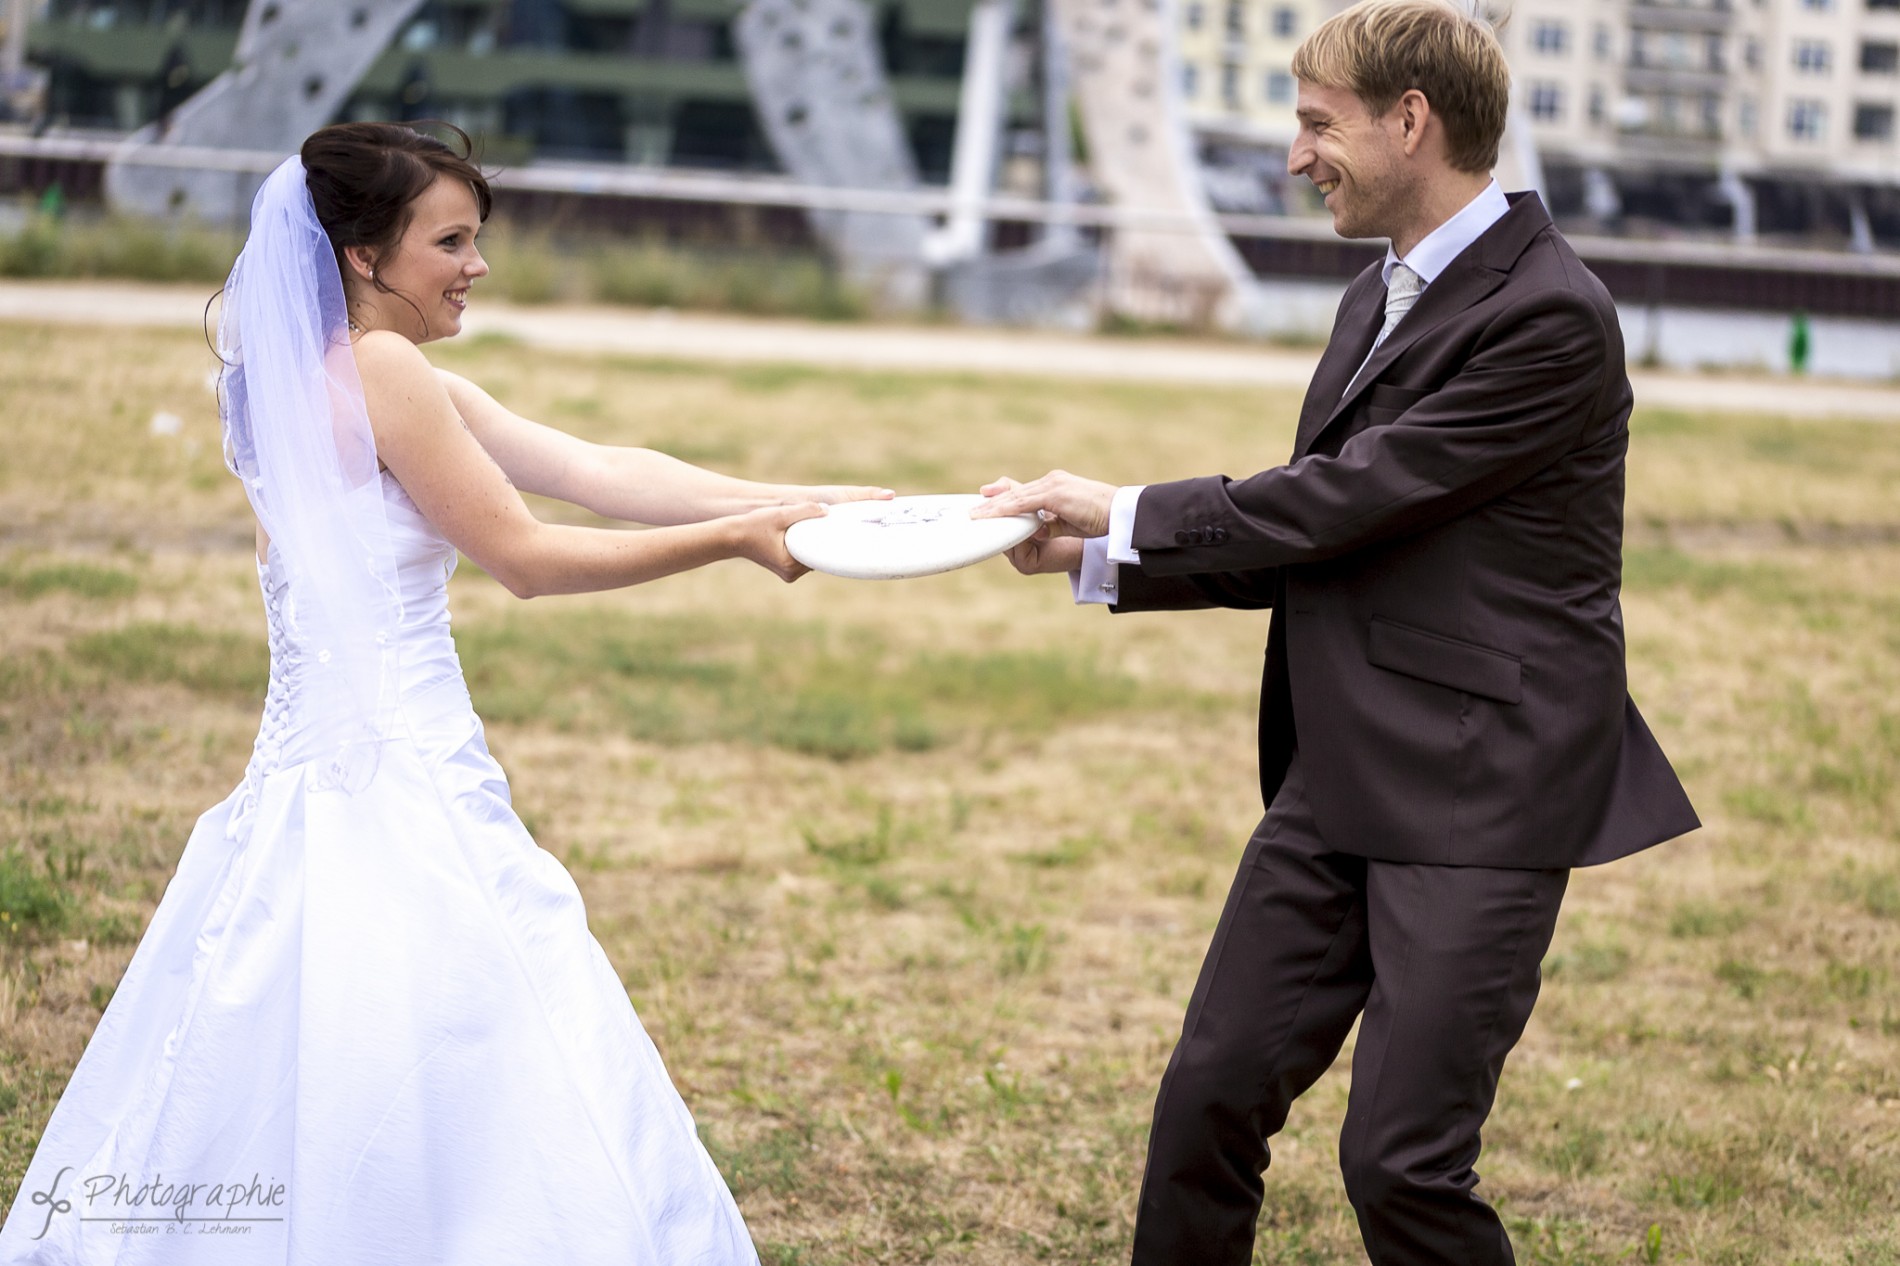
pixel 1380 49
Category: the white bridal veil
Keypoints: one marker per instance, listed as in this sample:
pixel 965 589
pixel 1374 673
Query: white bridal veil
pixel 298 435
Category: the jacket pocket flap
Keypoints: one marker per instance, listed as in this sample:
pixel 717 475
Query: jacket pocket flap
pixel 1446 661
pixel 1384 395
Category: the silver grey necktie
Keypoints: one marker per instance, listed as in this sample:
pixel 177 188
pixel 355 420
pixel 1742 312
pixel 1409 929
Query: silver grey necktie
pixel 1401 292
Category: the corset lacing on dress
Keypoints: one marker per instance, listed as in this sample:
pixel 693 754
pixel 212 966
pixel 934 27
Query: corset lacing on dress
pixel 267 753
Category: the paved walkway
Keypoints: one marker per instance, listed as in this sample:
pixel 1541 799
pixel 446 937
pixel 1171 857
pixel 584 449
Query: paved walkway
pixel 920 348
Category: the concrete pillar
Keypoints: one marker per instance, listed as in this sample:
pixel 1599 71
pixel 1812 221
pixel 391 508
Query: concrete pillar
pixel 980 103
pixel 1860 227
pixel 1058 165
pixel 1736 192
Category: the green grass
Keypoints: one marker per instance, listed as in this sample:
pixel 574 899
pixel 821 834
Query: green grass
pixel 33 901
pixel 803 688
pixel 77 578
pixel 910 883
pixel 217 663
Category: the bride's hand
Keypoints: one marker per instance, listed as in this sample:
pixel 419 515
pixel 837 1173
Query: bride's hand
pixel 832 494
pixel 762 537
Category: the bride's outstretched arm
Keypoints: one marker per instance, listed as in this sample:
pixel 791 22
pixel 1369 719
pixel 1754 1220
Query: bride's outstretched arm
pixel 634 484
pixel 462 490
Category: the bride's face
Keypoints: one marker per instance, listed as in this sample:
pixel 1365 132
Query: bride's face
pixel 432 266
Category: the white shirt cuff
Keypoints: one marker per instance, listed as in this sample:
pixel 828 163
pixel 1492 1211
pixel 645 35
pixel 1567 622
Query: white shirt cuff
pixel 1100 573
pixel 1096 579
pixel 1121 525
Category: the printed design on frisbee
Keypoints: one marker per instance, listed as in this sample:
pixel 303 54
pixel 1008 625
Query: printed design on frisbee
pixel 909 536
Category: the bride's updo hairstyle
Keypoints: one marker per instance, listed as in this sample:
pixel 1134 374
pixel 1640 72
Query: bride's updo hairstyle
pixel 364 178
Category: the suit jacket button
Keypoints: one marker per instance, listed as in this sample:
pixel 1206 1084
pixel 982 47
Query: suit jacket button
pixel 1220 534
pixel 1184 537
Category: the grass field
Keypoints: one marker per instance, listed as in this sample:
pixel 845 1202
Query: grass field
pixel 910 881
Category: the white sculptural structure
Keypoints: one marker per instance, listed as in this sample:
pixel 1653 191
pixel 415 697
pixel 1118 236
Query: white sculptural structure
pixel 296 63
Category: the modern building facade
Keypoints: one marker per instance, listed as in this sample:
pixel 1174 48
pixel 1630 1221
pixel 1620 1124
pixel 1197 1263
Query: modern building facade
pixel 1235 56
pixel 1766 115
pixel 651 81
pixel 1770 118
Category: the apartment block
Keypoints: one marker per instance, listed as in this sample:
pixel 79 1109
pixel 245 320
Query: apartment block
pixel 1757 115
pixel 1775 116
pixel 1234 57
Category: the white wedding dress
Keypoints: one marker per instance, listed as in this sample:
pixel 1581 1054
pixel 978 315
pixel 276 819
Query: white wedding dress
pixel 378 1018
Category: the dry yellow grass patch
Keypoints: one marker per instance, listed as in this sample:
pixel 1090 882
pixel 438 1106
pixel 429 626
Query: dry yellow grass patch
pixel 910 881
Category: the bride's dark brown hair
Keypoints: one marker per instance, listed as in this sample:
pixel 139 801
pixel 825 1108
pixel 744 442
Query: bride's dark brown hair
pixel 364 179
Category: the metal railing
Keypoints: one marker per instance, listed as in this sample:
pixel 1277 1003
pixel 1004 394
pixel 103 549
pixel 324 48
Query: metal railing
pixel 672 184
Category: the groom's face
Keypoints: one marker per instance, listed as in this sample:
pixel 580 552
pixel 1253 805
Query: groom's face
pixel 1354 158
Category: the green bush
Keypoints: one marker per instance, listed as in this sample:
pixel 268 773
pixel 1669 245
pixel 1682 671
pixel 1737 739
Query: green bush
pixel 526 266
pixel 135 250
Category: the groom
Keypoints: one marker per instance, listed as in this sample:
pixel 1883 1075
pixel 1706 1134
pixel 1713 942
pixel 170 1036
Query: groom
pixel 1444 725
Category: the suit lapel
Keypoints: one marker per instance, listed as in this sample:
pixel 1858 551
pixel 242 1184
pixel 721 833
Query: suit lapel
pixel 1480 269
pixel 1358 325
pixel 1461 285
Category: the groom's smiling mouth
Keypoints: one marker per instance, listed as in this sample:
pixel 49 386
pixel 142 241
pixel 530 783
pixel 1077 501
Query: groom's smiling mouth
pixel 1325 186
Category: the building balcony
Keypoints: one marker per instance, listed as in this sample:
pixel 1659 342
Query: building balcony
pixel 1639 76
pixel 1687 145
pixel 1655 16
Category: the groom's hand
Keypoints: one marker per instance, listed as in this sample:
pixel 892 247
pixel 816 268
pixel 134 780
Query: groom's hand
pixel 1041 554
pixel 1069 505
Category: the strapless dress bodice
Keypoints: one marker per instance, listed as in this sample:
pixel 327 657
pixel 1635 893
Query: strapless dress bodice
pixel 433 695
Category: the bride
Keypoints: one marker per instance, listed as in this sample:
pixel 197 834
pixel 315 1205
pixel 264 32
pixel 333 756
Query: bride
pixel 368 1023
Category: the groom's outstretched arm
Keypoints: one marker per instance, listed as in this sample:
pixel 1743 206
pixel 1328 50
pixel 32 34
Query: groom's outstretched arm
pixel 1522 401
pixel 1537 380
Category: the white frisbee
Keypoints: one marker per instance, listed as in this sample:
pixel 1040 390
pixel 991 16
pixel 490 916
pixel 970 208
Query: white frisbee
pixel 904 537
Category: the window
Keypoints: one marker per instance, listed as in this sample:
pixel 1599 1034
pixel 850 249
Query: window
pixel 1711 115
pixel 1550 38
pixel 1547 102
pixel 1286 22
pixel 1230 85
pixel 1712 50
pixel 1882 4
pixel 1190 80
pixel 1194 16
pixel 1806 119
pixel 1873 122
pixel 1596 104
pixel 1880 59
pixel 1751 53
pixel 1745 118
pixel 1279 87
pixel 1605 48
pixel 1812 57
pixel 1236 19
pixel 1820 6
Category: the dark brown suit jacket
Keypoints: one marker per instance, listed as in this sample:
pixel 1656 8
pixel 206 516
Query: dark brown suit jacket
pixel 1443 556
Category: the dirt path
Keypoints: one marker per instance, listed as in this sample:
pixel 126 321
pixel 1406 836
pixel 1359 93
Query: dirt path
pixel 915 348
